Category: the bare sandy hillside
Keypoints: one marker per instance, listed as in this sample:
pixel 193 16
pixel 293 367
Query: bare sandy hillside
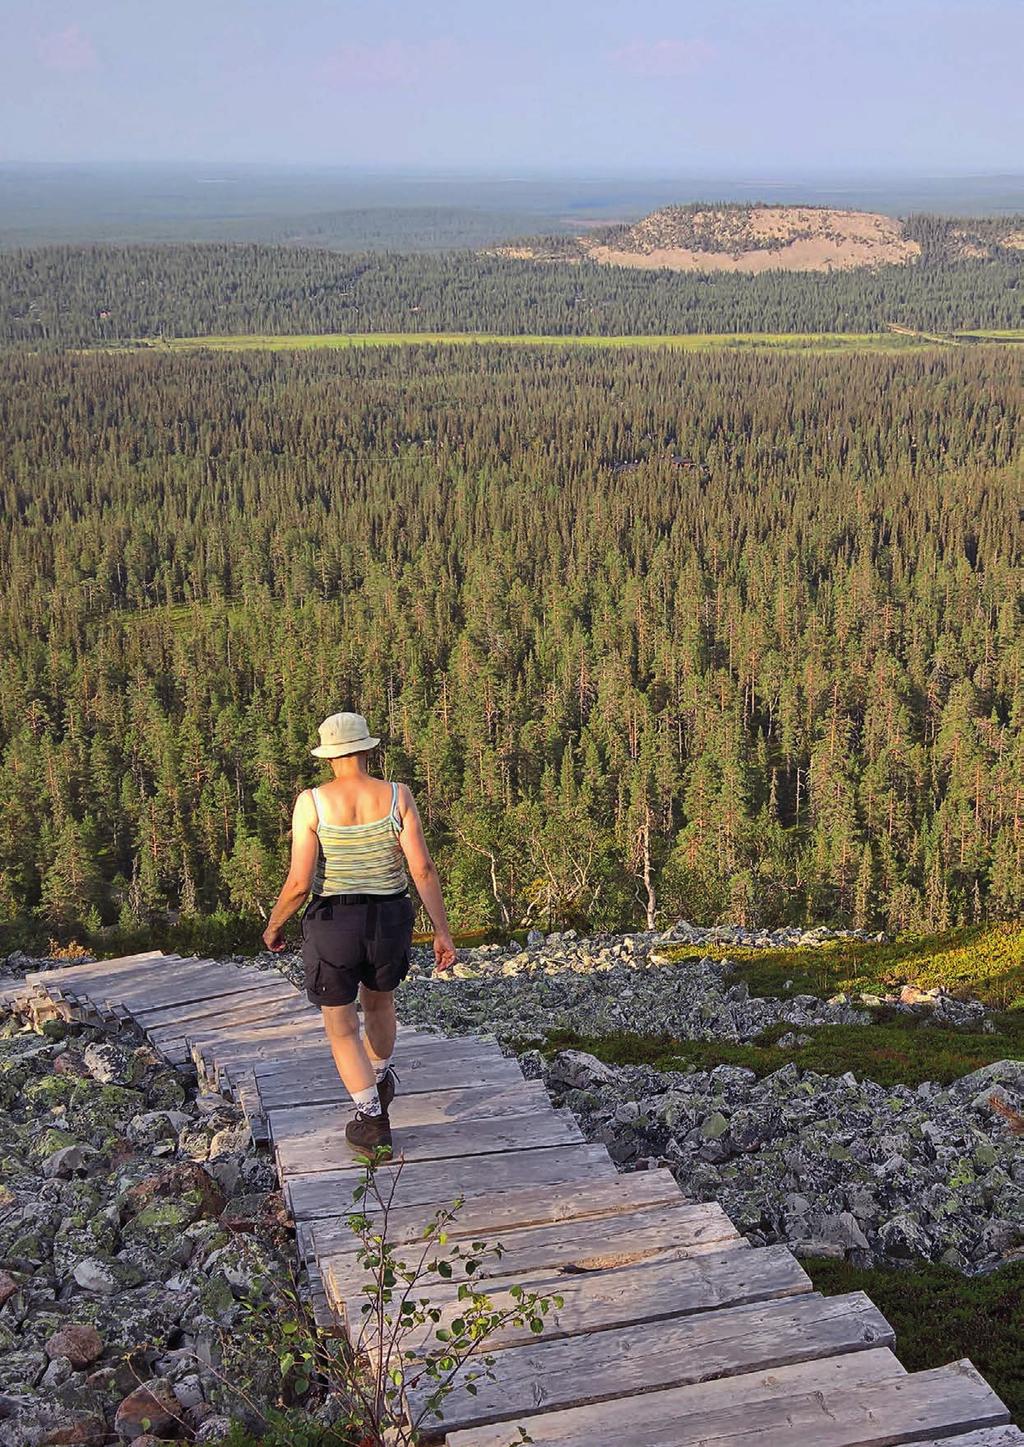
pixel 744 238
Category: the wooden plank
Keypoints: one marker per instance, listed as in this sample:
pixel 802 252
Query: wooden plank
pixel 196 983
pixel 879 1414
pixel 546 1376
pixel 237 1042
pixel 329 1193
pixel 156 1016
pixel 408 1049
pixel 458 1139
pixel 326 1123
pixel 318 1084
pixel 648 1292
pixel 82 980
pixel 56 973
pixel 660 1232
pixel 177 986
pixel 13 991
pixel 490 1216
pixel 633 1419
pixel 256 1011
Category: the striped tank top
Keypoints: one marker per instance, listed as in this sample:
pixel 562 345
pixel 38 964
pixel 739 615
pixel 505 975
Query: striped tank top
pixel 360 858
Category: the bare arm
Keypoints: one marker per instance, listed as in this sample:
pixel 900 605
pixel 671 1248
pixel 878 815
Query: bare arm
pixel 300 871
pixel 424 873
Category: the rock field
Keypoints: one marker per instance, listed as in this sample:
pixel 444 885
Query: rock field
pixel 135 1213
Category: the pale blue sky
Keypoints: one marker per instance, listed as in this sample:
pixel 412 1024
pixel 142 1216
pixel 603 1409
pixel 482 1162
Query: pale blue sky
pixel 667 85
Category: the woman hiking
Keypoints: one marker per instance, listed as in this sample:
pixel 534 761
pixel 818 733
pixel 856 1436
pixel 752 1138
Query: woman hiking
pixel 351 840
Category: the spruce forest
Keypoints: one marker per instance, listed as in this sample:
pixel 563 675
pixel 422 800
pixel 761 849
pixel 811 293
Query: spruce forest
pixel 726 636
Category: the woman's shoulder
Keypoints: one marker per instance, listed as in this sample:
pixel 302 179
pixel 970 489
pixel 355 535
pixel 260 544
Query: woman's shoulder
pixel 305 804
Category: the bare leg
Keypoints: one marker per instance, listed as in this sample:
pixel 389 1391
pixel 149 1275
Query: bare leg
pixel 341 1022
pixel 379 1023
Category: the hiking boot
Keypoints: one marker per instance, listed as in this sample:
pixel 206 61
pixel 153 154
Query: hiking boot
pixel 386 1088
pixel 369 1134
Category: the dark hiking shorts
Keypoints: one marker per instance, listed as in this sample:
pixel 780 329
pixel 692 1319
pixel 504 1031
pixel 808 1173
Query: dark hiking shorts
pixel 350 940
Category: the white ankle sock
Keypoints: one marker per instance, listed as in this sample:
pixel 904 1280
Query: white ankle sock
pixel 367 1101
pixel 381 1068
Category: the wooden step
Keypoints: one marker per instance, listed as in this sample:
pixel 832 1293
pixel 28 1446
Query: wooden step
pixel 516 1134
pixel 493 1216
pixel 419 1070
pixel 545 1376
pixel 660 1232
pixel 326 1123
pixel 813 1405
pixel 594 1301
pixel 161 1017
pixel 634 1419
pixel 438 1183
pixel 56 973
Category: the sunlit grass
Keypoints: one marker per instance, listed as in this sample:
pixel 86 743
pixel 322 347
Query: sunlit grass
pixel 890 1051
pixel 689 342
pixel 986 962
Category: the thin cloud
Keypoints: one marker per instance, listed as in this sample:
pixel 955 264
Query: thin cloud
pixel 390 64
pixel 69 52
pixel 662 58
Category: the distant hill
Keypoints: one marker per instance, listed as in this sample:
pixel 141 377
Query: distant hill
pixel 719 237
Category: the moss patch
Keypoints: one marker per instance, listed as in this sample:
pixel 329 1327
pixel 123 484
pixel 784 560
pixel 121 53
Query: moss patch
pixel 984 962
pixel 939 1315
pixel 905 1051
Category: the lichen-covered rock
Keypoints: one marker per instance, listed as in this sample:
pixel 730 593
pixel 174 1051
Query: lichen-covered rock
pixel 109 1063
pixel 79 1342
pixel 833 1166
pixel 152 1408
pixel 67 1416
pixel 176 1182
pixel 213 1430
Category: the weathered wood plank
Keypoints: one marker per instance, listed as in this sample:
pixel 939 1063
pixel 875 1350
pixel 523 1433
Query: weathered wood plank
pixel 300 1046
pixel 128 980
pixel 156 1017
pixel 137 990
pixel 659 1232
pixel 318 1084
pixel 256 1012
pixel 326 1123
pixel 457 1139
pixel 329 1193
pixel 942 1401
pixel 176 989
pixel 648 1292
pixel 491 1216
pixel 12 991
pixel 634 1419
pixel 57 973
pixel 575 1371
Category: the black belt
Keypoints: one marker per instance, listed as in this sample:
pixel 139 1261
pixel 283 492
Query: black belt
pixel 357 898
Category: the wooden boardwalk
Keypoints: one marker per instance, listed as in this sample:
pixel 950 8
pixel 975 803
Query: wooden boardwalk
pixel 675 1332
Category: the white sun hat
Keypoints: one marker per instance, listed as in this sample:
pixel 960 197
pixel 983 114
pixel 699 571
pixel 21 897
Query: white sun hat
pixel 343 733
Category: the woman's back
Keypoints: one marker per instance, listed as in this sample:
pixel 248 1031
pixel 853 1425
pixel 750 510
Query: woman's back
pixel 357 800
pixel 358 824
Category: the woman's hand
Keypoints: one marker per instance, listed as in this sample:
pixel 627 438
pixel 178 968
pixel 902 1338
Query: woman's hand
pixel 444 951
pixel 273 938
